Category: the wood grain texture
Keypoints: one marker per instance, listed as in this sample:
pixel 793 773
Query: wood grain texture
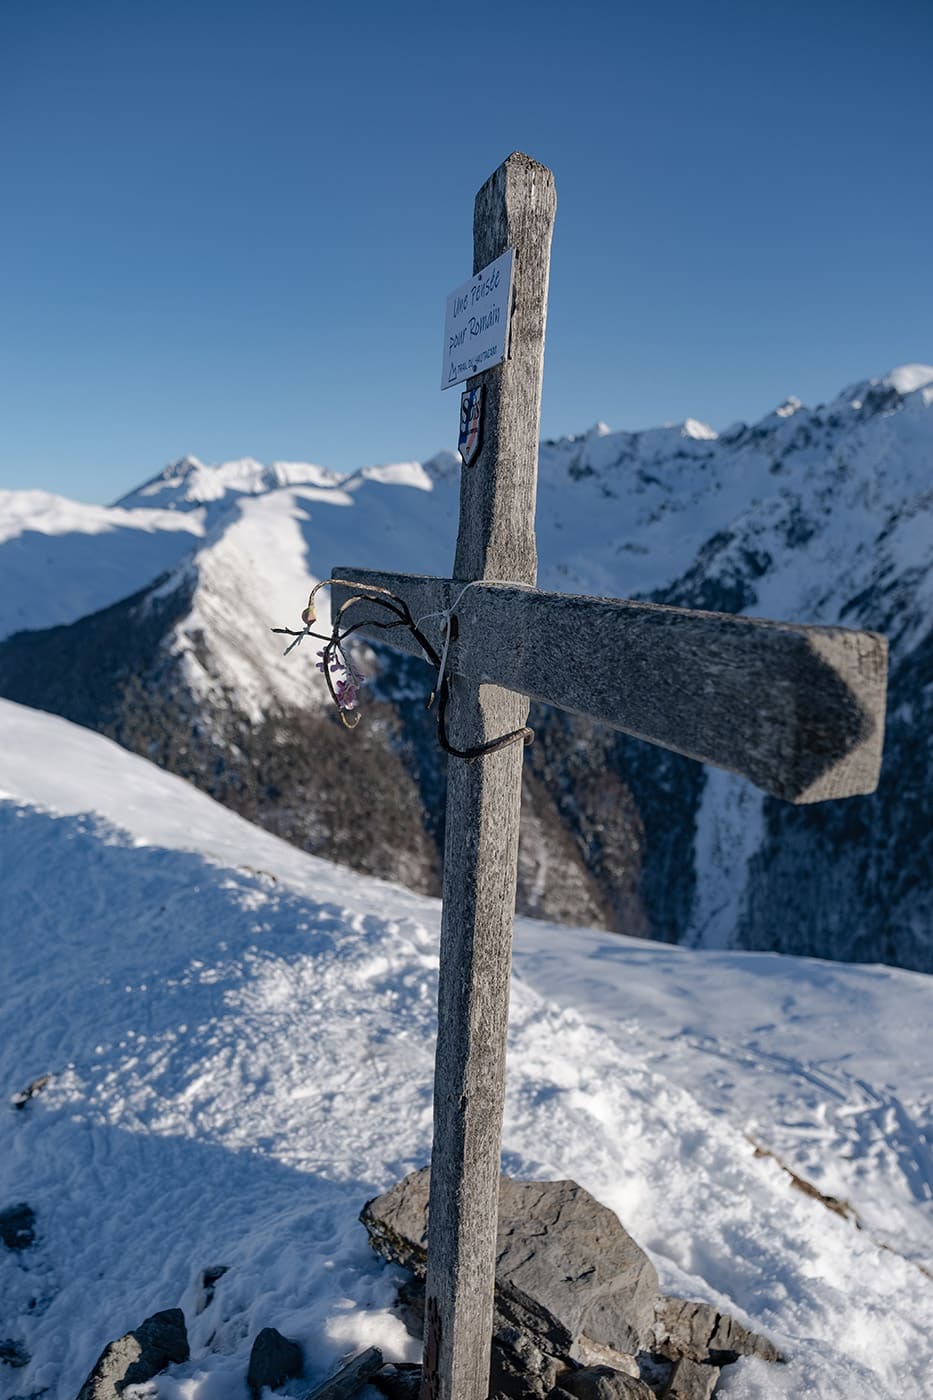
pixel 797 710
pixel 514 209
pixel 480 862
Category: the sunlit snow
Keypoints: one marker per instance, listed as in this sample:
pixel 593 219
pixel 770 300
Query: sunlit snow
pixel 240 1036
pixel 240 1039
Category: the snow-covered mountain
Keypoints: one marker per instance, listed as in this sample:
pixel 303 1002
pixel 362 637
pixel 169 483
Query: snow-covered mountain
pixel 63 559
pixel 229 1046
pixel 189 483
pixel 814 515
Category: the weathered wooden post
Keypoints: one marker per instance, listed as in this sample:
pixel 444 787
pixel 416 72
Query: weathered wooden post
pixel 514 209
pixel 798 710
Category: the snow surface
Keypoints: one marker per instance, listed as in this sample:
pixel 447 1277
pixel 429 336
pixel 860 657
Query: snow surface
pixel 63 559
pixel 256 568
pixel 189 483
pixel 240 1039
pixel 693 428
pixel 829 500
pixel 907 378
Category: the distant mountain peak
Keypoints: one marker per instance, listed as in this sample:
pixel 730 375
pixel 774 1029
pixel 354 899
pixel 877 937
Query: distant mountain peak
pixel 819 515
pixel 908 378
pixel 190 483
pixel 390 474
pixel 789 407
pixel 701 432
pixel 184 466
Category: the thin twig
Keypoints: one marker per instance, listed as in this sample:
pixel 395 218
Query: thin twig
pixel 334 651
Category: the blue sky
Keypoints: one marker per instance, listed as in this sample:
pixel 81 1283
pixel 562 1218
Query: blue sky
pixel 230 229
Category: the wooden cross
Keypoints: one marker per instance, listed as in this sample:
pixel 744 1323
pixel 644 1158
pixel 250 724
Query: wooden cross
pixel 798 710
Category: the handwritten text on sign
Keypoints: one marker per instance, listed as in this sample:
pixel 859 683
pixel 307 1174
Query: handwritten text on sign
pixel 476 328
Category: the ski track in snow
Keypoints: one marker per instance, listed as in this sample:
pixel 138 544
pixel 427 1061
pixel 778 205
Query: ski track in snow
pixel 241 1050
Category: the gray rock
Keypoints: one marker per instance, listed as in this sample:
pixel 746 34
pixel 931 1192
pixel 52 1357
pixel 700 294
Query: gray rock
pixel 410 1306
pixel 559 1247
pixel 397 1221
pixel 18 1226
pixel 138 1356
pixel 31 1091
pixel 399 1381
pixel 600 1383
pixel 13 1353
pixel 564 1265
pixel 586 1352
pixel 702 1333
pixel 691 1380
pixel 576 1300
pixel 519 1370
pixel 207 1282
pixel 350 1378
pixel 273 1360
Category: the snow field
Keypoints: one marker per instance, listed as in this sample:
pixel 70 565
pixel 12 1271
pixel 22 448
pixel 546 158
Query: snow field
pixel 241 1045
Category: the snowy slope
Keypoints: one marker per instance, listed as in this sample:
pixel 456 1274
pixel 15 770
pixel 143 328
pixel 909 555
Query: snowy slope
pixel 61 559
pixel 816 515
pixel 797 513
pixel 256 567
pixel 794 516
pixel 240 1044
pixel 245 541
pixel 800 516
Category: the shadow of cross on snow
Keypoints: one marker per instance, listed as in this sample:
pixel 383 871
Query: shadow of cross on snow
pixel 797 710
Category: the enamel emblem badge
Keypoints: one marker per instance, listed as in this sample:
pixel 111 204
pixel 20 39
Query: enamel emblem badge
pixel 471 425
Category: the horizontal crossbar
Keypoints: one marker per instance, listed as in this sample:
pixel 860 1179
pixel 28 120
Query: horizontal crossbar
pixel 797 710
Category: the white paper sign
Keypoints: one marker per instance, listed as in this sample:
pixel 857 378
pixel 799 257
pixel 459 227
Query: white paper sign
pixel 476 328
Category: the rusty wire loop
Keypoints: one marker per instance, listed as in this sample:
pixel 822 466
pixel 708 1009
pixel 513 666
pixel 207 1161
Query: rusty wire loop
pixel 334 651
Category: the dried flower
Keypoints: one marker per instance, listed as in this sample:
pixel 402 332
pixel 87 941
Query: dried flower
pixel 335 663
pixel 345 679
pixel 346 693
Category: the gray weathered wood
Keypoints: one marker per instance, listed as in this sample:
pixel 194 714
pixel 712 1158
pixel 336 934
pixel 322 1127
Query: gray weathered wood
pixel 797 710
pixel 350 1379
pixel 514 209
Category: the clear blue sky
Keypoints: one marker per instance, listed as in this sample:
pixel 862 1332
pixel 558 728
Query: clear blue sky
pixel 230 228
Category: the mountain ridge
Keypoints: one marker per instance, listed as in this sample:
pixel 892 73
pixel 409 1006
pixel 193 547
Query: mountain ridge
pixel 811 515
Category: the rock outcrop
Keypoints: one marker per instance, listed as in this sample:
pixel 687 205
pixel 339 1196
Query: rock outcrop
pixel 18 1226
pixel 273 1360
pixel 138 1356
pixel 578 1315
